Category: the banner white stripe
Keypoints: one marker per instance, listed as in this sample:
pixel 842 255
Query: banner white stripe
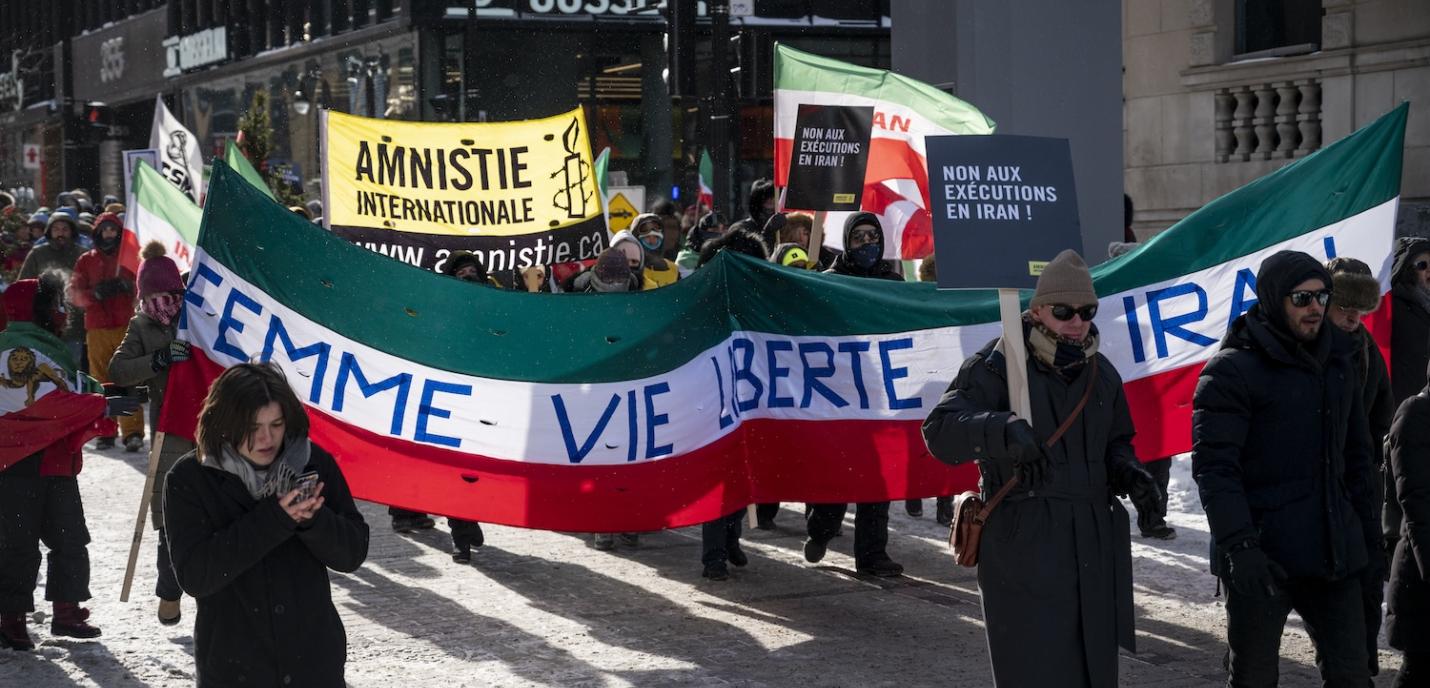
pixel 749 375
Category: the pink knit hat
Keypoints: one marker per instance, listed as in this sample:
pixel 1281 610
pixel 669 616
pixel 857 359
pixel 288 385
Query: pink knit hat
pixel 158 273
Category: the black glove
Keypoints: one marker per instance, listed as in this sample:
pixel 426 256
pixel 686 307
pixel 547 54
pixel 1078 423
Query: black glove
pixel 1253 574
pixel 121 406
pixel 1142 489
pixel 1025 451
pixel 160 359
pixel 112 287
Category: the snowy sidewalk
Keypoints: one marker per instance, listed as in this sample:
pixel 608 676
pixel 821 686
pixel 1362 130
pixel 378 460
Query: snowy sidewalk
pixel 543 609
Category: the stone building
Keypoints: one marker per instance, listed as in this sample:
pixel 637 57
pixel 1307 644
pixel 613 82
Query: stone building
pixel 1220 92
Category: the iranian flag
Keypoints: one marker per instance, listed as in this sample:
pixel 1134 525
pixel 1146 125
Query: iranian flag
pixel 240 164
pixel 896 186
pixel 163 213
pixel 745 382
pixel 706 197
pixel 46 405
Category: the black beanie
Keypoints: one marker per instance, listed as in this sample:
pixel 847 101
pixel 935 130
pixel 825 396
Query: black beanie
pixel 1278 276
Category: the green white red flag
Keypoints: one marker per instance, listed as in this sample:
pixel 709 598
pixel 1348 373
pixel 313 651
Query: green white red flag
pixel 905 111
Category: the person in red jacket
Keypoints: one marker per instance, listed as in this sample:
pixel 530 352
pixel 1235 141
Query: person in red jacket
pixel 105 288
pixel 48 410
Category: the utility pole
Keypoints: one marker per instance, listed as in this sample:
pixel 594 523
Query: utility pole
pixel 720 144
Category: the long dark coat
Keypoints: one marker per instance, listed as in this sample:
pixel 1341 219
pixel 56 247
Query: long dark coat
pixel 265 609
pixel 1408 616
pixel 1055 567
pixel 1281 451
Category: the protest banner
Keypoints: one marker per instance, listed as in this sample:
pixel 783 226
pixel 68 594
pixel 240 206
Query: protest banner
pixel 830 153
pixel 905 111
pixel 514 193
pixel 745 382
pixel 180 160
pixel 1008 200
pixel 131 160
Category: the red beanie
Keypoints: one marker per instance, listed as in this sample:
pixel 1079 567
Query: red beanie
pixel 19 300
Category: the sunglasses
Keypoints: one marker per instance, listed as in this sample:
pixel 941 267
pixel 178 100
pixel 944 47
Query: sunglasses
pixel 1421 265
pixel 1301 299
pixel 1065 312
pixel 864 235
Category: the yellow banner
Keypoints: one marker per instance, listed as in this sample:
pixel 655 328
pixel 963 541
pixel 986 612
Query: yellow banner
pixel 486 179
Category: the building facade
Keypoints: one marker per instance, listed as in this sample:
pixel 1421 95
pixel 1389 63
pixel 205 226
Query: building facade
pixel 1220 92
pixel 84 78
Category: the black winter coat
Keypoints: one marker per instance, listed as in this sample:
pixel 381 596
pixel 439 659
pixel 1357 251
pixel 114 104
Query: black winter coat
pixel 1281 451
pixel 1055 566
pixel 265 609
pixel 1408 616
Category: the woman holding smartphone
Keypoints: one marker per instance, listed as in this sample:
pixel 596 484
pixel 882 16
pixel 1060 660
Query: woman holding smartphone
pixel 252 546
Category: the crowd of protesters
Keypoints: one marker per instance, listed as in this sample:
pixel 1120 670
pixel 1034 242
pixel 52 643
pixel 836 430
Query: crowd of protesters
pixel 1311 456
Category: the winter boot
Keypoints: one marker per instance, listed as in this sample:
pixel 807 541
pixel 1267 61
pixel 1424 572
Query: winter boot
pixel 630 539
pixel 133 442
pixel 12 632
pixel 104 443
pixel 70 621
pixel 604 541
pixel 914 507
pixel 170 612
pixel 943 511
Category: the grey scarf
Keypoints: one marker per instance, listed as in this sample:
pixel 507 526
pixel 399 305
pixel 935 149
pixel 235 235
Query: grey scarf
pixel 275 479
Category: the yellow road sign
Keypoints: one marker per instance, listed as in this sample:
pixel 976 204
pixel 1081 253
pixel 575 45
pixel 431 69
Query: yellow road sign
pixel 622 212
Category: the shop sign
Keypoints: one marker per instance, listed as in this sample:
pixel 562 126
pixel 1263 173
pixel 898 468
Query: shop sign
pixel 195 50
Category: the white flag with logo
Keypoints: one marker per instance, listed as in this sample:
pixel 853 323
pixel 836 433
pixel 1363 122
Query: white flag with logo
pixel 179 158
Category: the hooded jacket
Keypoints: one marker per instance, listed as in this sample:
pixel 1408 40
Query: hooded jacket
pixel 98 270
pixel 1407 619
pixel 655 269
pixel 843 265
pixel 1409 320
pixel 46 256
pixel 1280 444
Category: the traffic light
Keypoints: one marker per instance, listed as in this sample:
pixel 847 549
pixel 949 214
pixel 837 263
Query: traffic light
pixel 680 49
pixel 97 115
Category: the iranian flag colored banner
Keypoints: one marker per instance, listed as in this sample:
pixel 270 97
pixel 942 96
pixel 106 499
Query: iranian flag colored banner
pixel 706 197
pixel 164 214
pixel 746 382
pixel 46 405
pixel 240 164
pixel 896 186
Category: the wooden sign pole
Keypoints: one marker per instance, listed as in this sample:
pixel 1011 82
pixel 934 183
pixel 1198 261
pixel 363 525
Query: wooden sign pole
pixel 1015 352
pixel 155 449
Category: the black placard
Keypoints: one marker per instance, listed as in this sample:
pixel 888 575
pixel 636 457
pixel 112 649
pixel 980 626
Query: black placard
pixel 830 152
pixel 1003 206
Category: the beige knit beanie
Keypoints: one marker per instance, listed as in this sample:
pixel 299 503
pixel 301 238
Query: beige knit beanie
pixel 1065 280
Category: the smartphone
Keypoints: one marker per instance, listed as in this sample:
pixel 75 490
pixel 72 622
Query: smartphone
pixel 307 486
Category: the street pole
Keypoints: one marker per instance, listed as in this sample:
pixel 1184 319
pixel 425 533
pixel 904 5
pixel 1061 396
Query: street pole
pixel 720 148
pixel 471 62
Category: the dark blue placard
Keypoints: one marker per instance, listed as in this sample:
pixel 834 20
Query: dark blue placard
pixel 1002 207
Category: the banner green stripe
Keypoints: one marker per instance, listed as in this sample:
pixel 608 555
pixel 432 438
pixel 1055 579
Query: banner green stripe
pixel 1348 177
pixel 802 71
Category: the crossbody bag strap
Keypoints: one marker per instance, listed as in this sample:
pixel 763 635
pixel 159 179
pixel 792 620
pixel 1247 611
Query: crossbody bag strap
pixel 1057 435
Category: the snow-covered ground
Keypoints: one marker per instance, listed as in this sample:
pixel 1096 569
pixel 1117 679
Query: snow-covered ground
pixel 543 609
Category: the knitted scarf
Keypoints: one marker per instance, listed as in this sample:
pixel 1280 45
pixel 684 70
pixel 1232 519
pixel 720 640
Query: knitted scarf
pixel 276 478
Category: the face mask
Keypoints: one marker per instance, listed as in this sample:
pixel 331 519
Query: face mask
pixel 652 241
pixel 867 256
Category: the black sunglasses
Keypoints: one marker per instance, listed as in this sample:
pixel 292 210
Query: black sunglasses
pixel 1066 312
pixel 1301 299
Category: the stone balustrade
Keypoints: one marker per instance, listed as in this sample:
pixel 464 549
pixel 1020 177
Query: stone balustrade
pixel 1279 119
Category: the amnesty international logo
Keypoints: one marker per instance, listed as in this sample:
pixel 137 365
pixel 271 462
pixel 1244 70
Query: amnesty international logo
pixel 574 197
